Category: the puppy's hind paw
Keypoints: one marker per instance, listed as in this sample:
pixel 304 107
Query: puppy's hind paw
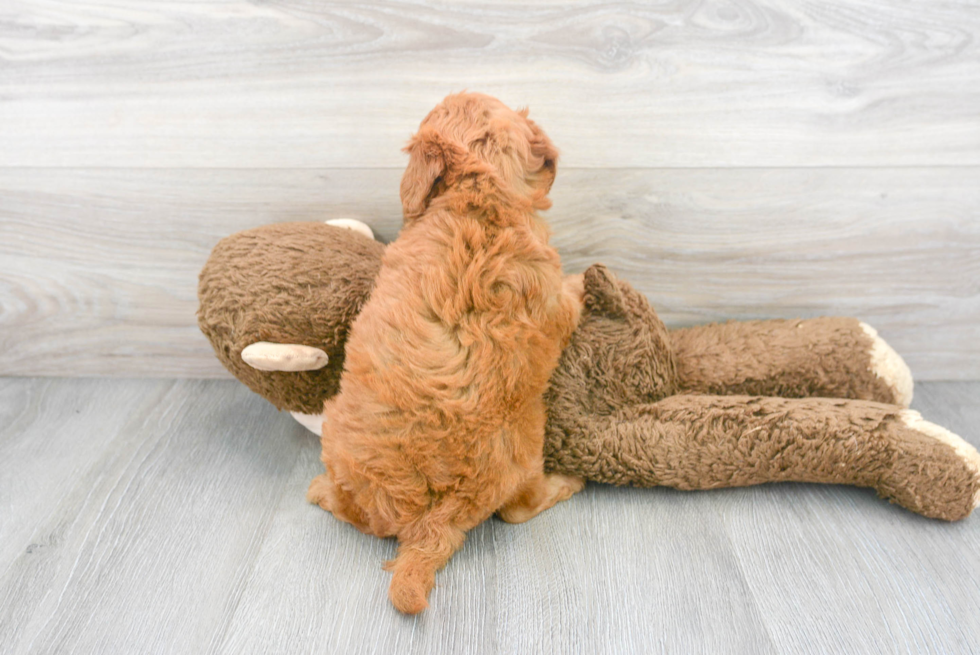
pixel 539 494
pixel 320 491
pixel 565 486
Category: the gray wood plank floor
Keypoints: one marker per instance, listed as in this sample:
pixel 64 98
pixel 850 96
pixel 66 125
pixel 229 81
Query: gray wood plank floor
pixel 168 516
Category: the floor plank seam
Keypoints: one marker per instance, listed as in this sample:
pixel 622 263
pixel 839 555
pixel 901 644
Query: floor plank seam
pixel 219 640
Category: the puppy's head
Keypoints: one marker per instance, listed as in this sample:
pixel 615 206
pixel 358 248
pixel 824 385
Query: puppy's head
pixel 474 135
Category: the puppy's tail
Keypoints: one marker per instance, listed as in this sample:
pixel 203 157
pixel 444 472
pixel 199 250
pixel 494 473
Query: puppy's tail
pixel 415 566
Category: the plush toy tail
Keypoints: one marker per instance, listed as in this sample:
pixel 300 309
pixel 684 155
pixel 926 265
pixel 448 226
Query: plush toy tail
pixel 415 567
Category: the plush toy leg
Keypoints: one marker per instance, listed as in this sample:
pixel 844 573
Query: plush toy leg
pixel 829 357
pixel 707 442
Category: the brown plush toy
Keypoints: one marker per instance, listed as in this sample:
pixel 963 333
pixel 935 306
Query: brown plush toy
pixel 631 403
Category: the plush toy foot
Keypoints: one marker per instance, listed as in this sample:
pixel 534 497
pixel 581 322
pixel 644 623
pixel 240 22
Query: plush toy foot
pixel 936 474
pixel 889 367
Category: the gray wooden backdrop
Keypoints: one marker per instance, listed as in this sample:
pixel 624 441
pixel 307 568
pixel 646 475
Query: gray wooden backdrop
pixel 731 159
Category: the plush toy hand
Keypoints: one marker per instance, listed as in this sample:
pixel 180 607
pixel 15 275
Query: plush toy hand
pixel 352 224
pixel 266 356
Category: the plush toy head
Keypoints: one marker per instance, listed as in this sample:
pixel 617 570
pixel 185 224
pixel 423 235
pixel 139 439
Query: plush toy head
pixel 291 283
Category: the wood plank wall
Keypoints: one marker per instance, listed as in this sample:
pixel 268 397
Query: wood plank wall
pixel 732 159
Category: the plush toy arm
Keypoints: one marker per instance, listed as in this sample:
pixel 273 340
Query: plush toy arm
pixel 707 442
pixel 830 357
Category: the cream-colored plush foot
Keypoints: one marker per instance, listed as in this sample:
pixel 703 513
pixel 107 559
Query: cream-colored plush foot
pixel 962 448
pixel 352 224
pixel 889 366
pixel 312 422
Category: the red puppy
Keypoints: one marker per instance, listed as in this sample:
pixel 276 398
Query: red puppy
pixel 439 421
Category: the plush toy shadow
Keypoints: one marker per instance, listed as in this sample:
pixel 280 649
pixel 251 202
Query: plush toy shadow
pixel 631 403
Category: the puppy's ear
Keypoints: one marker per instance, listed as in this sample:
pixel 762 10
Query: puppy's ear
pixel 543 151
pixel 426 166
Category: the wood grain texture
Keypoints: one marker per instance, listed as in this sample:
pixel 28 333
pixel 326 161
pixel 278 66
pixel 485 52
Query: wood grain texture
pixel 171 518
pixel 888 582
pixel 298 83
pixel 145 547
pixel 99 267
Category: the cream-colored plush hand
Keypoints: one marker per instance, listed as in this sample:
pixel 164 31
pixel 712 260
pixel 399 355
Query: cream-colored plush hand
pixel 266 356
pixel 352 224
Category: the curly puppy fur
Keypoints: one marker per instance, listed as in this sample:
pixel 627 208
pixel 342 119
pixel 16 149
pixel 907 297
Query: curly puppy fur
pixel 439 421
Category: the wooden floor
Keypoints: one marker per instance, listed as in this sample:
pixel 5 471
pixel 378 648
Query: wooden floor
pixel 168 516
